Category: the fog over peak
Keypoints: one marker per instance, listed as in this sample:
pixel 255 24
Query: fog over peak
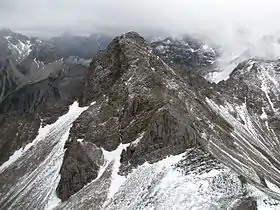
pixel 176 16
pixel 233 24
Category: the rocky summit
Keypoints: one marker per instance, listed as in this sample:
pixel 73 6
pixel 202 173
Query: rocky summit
pixel 143 132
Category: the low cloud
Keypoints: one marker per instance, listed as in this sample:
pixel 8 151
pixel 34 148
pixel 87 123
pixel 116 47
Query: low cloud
pixel 175 16
pixel 234 24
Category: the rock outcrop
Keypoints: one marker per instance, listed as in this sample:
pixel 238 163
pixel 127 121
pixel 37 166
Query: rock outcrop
pixel 37 85
pixel 80 166
pixel 16 131
pixel 142 102
pixel 246 204
pixel 160 111
pixel 188 54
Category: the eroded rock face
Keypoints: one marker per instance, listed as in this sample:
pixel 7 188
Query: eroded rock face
pixel 81 164
pixel 165 134
pixel 16 131
pixel 159 111
pixel 131 84
pixel 246 204
pixel 248 102
pixel 187 53
pixel 141 101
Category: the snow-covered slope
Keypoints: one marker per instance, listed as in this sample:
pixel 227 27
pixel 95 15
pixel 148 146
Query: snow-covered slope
pixel 252 109
pixel 267 48
pixel 35 168
pixel 20 49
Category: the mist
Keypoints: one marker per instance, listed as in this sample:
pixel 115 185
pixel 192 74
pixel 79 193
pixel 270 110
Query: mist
pixel 236 25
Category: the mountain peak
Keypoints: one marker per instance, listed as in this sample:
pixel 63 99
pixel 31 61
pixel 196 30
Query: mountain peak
pixel 132 36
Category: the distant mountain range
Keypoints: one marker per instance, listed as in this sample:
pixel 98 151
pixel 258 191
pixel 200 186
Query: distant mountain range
pixel 29 61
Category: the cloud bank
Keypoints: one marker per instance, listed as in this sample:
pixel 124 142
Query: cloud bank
pixel 175 16
pixel 233 24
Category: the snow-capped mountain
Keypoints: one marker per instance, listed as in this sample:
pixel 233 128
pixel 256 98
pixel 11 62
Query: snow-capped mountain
pixel 267 48
pixel 19 45
pixel 143 134
pixel 34 68
pixel 188 53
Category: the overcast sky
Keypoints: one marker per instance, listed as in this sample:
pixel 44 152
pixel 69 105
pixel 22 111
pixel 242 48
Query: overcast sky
pixel 225 21
pixel 86 16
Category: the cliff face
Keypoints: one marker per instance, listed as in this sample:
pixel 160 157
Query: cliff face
pixel 134 92
pixel 37 84
pixel 154 136
pixel 158 111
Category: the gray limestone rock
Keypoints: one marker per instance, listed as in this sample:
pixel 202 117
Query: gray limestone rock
pixel 81 164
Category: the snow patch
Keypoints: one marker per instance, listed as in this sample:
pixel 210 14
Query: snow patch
pixel 264 202
pixel 163 186
pixel 21 49
pixel 18 153
pixel 80 140
pixel 134 143
pixel 172 84
pixel 263 116
pixel 39 185
pixel 93 103
pixel 272 186
pixel 265 89
pixel 116 179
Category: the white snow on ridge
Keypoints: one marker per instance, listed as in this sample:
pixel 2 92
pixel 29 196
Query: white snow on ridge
pixel 162 186
pixel 269 82
pixel 18 153
pixel 272 186
pixel 38 187
pixel 134 143
pixel 263 115
pixel 21 49
pixel 116 179
pixel 218 76
pixel 264 202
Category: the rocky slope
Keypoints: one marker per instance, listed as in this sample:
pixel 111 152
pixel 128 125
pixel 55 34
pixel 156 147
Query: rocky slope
pixel 28 60
pixel 38 81
pixel 151 136
pixel 188 53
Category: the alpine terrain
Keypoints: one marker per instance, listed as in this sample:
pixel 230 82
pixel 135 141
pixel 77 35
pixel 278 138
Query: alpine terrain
pixel 140 125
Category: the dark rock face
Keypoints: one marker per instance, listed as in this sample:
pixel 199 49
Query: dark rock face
pixel 37 84
pixel 159 111
pixel 50 96
pixel 246 204
pixel 187 53
pixel 131 93
pixel 165 134
pixel 141 101
pixel 16 131
pixel 81 164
